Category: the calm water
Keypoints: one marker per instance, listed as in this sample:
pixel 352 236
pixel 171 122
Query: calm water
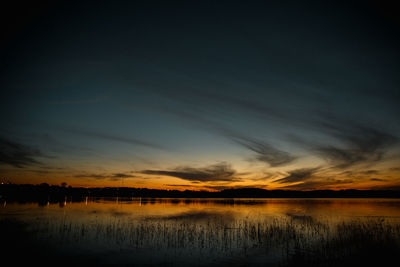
pixel 203 232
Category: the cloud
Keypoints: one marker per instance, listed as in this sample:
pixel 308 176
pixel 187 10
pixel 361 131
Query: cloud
pixel 18 155
pixel 368 172
pixel 265 152
pixel 112 177
pixel 115 138
pixel 217 172
pixel 94 99
pixel 179 185
pixel 363 143
pixel 92 175
pixel 218 187
pixel 260 109
pixel 342 142
pixel 225 187
pixel 377 179
pixel 266 176
pixel 123 175
pixel 319 184
pixel 349 143
pixel 298 175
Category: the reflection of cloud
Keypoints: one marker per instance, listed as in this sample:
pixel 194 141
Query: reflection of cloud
pixel 298 175
pixel 301 217
pixel 194 216
pixel 18 155
pixel 217 172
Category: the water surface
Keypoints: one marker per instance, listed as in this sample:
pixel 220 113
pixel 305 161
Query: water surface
pixel 203 232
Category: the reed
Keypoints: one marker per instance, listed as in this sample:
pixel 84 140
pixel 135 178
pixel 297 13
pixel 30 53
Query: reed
pixel 288 240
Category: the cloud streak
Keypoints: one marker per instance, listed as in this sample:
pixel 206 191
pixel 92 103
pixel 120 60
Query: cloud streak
pixel 343 142
pixel 265 152
pixel 347 143
pixel 319 184
pixel 18 155
pixel 116 138
pixel 112 177
pixel 298 175
pixel 217 172
pixel 359 143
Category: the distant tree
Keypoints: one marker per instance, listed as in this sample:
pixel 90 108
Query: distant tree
pixel 63 184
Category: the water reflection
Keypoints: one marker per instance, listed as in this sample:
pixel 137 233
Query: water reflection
pixel 210 231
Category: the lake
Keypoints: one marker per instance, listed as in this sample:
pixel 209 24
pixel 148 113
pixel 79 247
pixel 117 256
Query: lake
pixel 203 232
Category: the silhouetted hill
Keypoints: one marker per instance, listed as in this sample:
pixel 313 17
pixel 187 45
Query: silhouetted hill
pixel 51 193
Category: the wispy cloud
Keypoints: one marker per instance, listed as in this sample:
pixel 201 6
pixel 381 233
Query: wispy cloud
pixel 298 175
pixel 18 155
pixel 349 143
pixel 94 99
pixel 92 175
pixel 225 187
pixel 378 180
pixel 217 172
pixel 115 138
pixel 102 176
pixel 319 184
pixel 369 172
pixel 123 175
pixel 265 152
pixel 343 142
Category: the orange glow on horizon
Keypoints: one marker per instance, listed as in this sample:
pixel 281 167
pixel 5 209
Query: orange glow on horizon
pixel 365 182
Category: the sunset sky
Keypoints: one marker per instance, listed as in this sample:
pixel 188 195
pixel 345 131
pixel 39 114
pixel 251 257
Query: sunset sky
pixel 201 95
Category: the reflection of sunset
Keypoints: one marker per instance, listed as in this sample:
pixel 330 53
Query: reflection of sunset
pixel 202 133
pixel 131 229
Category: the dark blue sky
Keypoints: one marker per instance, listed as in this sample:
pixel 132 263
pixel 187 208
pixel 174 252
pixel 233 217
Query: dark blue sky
pixel 206 94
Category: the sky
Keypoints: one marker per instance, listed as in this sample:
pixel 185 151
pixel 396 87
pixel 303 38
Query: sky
pixel 201 95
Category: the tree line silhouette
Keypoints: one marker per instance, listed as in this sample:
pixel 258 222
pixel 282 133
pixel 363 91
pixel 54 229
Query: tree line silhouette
pixel 55 193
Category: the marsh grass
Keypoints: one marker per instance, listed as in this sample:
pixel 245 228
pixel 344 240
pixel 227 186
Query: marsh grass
pixel 197 235
pixel 208 239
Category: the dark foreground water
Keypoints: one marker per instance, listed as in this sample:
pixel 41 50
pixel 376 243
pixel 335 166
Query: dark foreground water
pixel 203 232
